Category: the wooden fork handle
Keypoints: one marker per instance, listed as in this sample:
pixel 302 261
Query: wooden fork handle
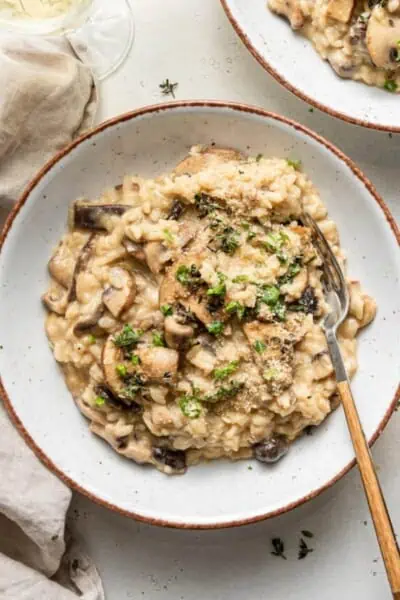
pixel 376 501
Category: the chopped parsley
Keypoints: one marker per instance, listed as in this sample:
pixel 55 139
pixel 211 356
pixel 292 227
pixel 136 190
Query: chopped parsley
pixel 240 279
pixel 128 338
pixel 390 85
pixel 135 360
pixel 168 88
pixel 229 240
pixel 99 401
pixel 189 276
pixel 224 372
pixel 270 295
pixel 168 236
pixel 220 288
pixel 205 205
pixel 166 310
pixel 259 346
pixel 121 370
pixel 224 392
pixel 296 164
pixel 215 328
pixel 278 548
pixel 92 339
pixel 274 243
pixel 190 406
pixel 293 269
pixel 236 307
pixel 158 339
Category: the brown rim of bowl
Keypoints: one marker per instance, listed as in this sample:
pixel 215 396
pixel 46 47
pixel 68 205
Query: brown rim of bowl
pixel 240 108
pixel 268 67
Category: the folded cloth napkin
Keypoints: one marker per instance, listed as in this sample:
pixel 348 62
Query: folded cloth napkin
pixel 47 98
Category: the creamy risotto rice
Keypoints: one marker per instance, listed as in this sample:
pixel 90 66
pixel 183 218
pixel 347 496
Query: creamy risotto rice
pixel 359 38
pixel 185 311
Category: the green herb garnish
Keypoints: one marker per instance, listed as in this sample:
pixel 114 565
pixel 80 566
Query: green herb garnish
pixel 189 276
pixel 168 236
pixel 224 372
pixel 135 360
pixel 216 328
pixel 220 288
pixel 390 85
pixel 166 310
pixel 205 205
pixel 240 279
pixel 270 374
pixel 99 401
pixel 128 338
pixel 293 270
pixel 236 307
pixel 167 88
pixel 121 370
pixel 229 240
pixel 158 339
pixel 92 339
pixel 259 346
pixel 296 164
pixel 225 392
pixel 190 406
pixel 270 295
pixel 275 240
pixel 134 384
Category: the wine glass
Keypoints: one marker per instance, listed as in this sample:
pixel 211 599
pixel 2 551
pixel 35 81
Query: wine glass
pixel 101 32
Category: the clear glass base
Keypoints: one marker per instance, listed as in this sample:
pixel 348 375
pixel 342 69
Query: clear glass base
pixel 101 32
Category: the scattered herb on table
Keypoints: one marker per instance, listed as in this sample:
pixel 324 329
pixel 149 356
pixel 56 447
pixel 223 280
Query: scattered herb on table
pixel 278 548
pixel 168 88
pixel 304 550
pixel 307 534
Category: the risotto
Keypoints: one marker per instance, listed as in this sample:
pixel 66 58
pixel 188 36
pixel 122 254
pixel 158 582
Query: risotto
pixel 185 311
pixel 359 38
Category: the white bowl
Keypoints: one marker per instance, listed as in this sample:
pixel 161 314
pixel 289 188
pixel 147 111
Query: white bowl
pixel 219 494
pixel 293 61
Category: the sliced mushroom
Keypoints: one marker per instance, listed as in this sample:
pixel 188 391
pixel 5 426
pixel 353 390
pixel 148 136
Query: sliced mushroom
pixel 133 249
pixel 55 301
pixel 174 459
pixel 383 35
pixel 111 357
pixel 176 211
pixel 340 10
pixel 88 215
pixel 157 256
pixel 80 265
pixel 206 157
pixel 271 450
pixel 158 364
pixel 121 294
pixel 176 334
pixel 61 265
pixel 90 323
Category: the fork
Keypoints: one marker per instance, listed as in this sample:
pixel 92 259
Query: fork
pixel 337 296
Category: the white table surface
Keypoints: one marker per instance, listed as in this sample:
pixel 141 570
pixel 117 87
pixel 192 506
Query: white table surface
pixel 191 42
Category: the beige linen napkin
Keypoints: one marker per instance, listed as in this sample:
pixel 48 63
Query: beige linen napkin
pixel 47 97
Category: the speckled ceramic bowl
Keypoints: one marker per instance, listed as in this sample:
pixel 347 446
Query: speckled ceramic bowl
pixel 220 494
pixel 294 62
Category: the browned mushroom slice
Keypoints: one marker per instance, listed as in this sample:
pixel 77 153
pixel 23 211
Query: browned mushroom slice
pixel 112 356
pixel 383 35
pixel 61 265
pixel 340 10
pixel 206 157
pixel 121 294
pixel 55 300
pixel 158 364
pixel 133 249
pixel 88 215
pixel 80 265
pixel 177 334
pixel 90 323
pixel 157 256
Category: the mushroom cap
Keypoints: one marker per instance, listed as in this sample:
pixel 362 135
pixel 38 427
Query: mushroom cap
pixel 383 36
